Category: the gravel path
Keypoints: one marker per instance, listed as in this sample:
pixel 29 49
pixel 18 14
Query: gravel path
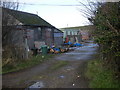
pixel 68 76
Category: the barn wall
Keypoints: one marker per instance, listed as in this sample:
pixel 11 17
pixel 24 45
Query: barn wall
pixel 47 35
pixel 13 41
pixel 58 39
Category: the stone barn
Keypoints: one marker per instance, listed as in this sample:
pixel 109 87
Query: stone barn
pixel 26 30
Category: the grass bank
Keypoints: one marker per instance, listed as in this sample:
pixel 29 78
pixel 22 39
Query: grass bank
pixel 99 76
pixel 23 64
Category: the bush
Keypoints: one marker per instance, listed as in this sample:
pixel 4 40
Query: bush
pixel 100 77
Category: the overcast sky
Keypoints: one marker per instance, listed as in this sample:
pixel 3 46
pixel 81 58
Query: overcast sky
pixel 53 12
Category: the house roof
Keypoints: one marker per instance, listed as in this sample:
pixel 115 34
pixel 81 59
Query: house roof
pixel 78 28
pixel 28 18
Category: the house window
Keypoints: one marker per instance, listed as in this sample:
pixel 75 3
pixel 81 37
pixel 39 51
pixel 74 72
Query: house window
pixel 66 33
pixel 70 32
pixel 39 29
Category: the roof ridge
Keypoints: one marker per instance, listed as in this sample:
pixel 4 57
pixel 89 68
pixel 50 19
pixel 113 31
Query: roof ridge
pixel 28 18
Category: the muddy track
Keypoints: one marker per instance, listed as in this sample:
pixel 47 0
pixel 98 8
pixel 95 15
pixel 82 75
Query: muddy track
pixel 70 75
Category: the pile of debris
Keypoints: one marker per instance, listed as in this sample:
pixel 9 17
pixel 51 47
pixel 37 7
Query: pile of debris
pixel 55 50
pixel 73 44
pixel 58 50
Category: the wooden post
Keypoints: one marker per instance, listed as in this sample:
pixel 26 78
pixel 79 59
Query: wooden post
pixel 26 48
pixel 26 44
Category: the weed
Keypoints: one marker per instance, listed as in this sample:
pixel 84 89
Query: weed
pixel 100 77
pixel 25 63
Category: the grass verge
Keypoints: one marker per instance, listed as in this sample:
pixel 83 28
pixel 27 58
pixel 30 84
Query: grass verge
pixel 25 63
pixel 58 65
pixel 100 77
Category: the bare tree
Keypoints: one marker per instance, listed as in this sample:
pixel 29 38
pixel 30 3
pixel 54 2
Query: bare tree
pixel 89 9
pixel 11 4
pixel 7 19
pixel 8 4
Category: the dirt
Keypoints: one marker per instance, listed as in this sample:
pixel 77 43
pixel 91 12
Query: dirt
pixel 68 76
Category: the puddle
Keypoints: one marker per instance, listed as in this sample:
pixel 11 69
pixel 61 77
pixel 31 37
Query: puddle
pixel 36 85
pixel 73 84
pixel 80 53
pixel 92 45
pixel 62 76
pixel 68 68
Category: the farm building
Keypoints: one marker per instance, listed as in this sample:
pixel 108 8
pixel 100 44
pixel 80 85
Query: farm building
pixel 82 33
pixel 26 31
pixel 72 35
